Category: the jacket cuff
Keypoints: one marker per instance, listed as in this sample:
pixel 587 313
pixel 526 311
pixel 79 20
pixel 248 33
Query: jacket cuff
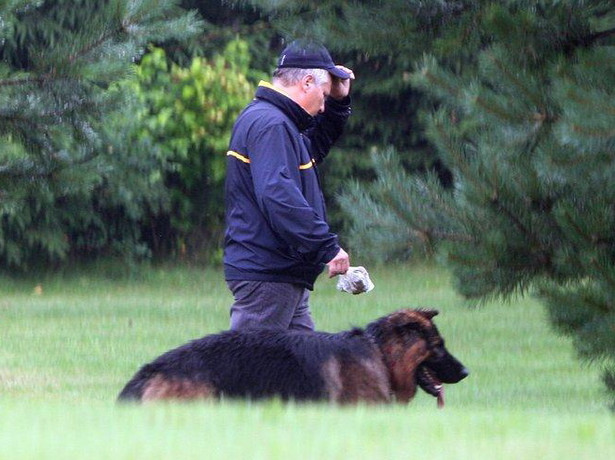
pixel 330 253
pixel 341 106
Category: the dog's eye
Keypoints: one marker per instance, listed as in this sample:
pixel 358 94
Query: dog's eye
pixel 438 352
pixel 438 349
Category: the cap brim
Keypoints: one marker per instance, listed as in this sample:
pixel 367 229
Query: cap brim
pixel 339 73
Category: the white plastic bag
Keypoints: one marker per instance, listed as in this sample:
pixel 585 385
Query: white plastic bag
pixel 355 281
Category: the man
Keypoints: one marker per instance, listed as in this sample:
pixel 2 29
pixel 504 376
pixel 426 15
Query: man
pixel 277 240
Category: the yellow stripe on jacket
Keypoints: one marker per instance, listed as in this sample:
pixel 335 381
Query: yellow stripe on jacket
pixel 245 159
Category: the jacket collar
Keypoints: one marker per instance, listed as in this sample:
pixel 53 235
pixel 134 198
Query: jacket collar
pixel 279 98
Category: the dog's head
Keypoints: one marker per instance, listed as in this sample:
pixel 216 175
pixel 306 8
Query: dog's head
pixel 415 353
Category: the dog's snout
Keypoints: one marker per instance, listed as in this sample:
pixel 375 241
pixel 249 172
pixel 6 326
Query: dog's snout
pixel 448 369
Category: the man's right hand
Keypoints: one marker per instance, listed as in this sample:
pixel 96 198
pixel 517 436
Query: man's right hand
pixel 339 264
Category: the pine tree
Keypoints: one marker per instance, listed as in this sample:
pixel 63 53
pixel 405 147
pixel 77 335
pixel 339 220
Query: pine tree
pixel 526 125
pixel 61 113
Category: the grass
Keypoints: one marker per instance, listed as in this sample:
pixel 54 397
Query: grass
pixel 69 343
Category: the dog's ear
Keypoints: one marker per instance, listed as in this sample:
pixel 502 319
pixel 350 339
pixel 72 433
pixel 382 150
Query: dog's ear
pixel 411 323
pixel 413 319
pixel 429 313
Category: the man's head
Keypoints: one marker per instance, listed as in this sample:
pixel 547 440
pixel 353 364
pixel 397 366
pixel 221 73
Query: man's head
pixel 305 71
pixel 302 54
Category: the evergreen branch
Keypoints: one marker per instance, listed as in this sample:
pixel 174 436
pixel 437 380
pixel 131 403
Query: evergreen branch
pixel 438 82
pixel 6 171
pixel 239 29
pixel 22 81
pixel 460 162
pixel 534 242
pixel 45 78
pixel 518 82
pixel 45 173
pixel 454 237
pixel 86 49
pixel 570 220
pixel 51 115
pixel 428 236
pixel 514 219
pixel 599 35
pixel 123 28
pixel 602 133
pixel 492 108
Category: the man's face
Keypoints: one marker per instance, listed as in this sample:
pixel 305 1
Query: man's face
pixel 315 95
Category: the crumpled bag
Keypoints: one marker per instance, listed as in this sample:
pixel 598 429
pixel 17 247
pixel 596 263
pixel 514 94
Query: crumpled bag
pixel 355 281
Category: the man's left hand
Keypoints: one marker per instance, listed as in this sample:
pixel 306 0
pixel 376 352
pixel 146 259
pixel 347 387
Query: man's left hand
pixel 341 88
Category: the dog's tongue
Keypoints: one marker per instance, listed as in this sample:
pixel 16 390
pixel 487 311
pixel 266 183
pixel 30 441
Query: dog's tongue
pixel 440 397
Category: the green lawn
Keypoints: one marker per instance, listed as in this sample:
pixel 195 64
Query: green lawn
pixel 68 344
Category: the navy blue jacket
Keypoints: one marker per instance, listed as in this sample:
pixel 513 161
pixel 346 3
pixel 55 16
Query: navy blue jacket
pixel 275 211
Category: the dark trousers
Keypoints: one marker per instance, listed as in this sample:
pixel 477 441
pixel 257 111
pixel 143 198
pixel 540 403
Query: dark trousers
pixel 268 304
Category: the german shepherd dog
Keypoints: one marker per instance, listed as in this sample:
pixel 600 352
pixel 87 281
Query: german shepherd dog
pixel 382 363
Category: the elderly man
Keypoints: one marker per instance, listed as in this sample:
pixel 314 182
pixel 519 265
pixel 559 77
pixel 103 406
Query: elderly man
pixel 277 239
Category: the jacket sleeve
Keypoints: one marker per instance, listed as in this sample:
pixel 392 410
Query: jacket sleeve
pixel 328 127
pixel 276 177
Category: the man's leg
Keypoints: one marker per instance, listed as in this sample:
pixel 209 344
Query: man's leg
pixel 302 319
pixel 266 304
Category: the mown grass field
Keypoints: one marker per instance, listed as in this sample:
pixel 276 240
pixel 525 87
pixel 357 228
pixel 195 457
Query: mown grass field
pixel 68 344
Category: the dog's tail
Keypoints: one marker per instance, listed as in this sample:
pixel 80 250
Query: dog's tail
pixel 133 391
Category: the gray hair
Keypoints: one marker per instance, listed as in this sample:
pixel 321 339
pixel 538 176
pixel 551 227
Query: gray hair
pixel 288 76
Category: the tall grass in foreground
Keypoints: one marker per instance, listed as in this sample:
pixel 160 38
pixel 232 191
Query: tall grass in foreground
pixel 68 344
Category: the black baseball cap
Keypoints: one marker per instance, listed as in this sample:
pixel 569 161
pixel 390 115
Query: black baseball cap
pixel 309 55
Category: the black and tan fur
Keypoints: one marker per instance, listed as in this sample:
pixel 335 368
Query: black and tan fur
pixel 382 363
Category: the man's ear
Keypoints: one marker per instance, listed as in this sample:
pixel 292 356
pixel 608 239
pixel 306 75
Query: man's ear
pixel 307 81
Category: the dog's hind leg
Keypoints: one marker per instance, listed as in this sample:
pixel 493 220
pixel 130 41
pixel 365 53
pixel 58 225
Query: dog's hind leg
pixel 133 390
pixel 161 387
